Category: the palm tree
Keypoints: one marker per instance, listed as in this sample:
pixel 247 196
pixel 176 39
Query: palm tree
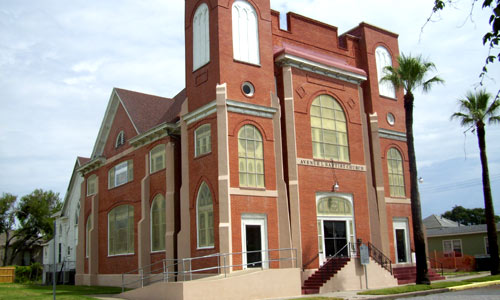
pixel 410 75
pixel 475 110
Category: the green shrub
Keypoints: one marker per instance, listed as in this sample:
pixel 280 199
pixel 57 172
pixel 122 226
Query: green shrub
pixel 31 273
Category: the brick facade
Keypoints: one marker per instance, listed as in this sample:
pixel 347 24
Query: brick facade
pixel 296 66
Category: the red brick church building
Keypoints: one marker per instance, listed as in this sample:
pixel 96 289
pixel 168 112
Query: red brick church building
pixel 281 139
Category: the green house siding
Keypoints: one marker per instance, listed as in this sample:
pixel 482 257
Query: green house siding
pixel 472 244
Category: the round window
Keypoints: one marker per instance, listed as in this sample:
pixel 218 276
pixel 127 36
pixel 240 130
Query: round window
pixel 247 89
pixel 390 119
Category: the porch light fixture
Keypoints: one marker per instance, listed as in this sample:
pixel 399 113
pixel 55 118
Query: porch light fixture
pixel 336 186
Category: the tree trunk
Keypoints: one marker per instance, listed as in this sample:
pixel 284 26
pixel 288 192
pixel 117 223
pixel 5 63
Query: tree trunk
pixel 488 201
pixel 416 210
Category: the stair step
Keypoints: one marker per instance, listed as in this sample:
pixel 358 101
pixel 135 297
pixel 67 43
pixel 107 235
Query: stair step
pixel 322 275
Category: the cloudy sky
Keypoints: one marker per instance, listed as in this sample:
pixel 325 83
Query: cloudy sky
pixel 59 61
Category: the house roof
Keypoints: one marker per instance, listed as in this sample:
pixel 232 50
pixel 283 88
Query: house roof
pixel 144 111
pixel 82 160
pixel 435 221
pixel 460 230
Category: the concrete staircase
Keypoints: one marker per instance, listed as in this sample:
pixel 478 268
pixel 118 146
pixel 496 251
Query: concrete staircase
pixel 406 275
pixel 323 274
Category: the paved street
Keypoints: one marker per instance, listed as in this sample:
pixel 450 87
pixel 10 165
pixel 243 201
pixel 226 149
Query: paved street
pixel 486 293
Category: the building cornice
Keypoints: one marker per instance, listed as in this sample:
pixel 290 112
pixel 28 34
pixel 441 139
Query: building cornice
pixel 153 134
pixel 391 134
pixel 305 64
pixel 91 165
pixel 200 113
pixel 250 109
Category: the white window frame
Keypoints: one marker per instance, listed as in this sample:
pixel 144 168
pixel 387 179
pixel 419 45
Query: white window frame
pixel 88 227
pixel 486 246
pixel 393 188
pixel 245 50
pixel 452 252
pixel 383 59
pixel 129 171
pixel 156 198
pixel 258 138
pixel 197 217
pixel 198 139
pixel 201 37
pixel 153 156
pixel 92 182
pixel 133 229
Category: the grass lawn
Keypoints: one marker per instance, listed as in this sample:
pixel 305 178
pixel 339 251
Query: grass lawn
pixel 424 287
pixel 460 273
pixel 64 292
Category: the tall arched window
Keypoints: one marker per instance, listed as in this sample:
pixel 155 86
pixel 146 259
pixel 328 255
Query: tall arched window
pixel 383 59
pixel 201 37
pixel 396 176
pixel 245 32
pixel 158 226
pixel 205 217
pixel 87 235
pixel 251 157
pixel 329 129
pixel 157 158
pixel 121 230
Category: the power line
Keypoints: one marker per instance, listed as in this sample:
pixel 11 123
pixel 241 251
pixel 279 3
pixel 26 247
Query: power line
pixel 450 186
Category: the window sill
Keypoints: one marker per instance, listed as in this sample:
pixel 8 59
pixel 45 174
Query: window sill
pixel 202 155
pixel 331 160
pixel 250 188
pixel 157 252
pixel 120 255
pixel 247 63
pixel 155 172
pixel 205 248
pixel 388 98
pixel 201 67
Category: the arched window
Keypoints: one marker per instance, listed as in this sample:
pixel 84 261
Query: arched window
pixel 201 37
pixel 202 140
pixel 205 217
pixel 120 139
pixel 87 235
pixel 396 176
pixel 383 59
pixel 157 158
pixel 121 230
pixel 245 32
pixel 329 129
pixel 251 157
pixel 158 226
pixel 334 206
pixel 77 213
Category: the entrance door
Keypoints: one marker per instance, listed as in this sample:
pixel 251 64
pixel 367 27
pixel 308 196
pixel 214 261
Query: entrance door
pixel 254 241
pixel 335 237
pixel 401 241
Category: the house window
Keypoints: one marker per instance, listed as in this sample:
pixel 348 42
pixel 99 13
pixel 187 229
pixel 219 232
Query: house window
pixel 486 246
pixel 383 59
pixel 245 32
pixel 121 174
pixel 77 213
pixel 205 217
pixel 121 230
pixel 452 248
pixel 157 158
pixel 201 37
pixel 88 227
pixel 69 250
pixel 59 253
pixel 396 176
pixel 158 224
pixel 92 185
pixel 329 130
pixel 120 139
pixel 202 137
pixel 251 157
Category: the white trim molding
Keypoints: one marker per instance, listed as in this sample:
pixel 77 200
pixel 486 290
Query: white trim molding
pixel 250 109
pixel 391 134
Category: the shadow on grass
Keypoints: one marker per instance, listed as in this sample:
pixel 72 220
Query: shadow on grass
pixel 66 292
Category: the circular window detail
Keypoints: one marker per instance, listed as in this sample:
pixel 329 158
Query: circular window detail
pixel 247 89
pixel 390 119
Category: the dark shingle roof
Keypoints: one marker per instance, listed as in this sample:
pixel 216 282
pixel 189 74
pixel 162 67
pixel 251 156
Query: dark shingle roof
pixel 458 230
pixel 146 111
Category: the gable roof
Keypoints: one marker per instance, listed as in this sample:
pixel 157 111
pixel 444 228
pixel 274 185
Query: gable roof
pixel 80 161
pixel 460 230
pixel 143 110
pixel 435 221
